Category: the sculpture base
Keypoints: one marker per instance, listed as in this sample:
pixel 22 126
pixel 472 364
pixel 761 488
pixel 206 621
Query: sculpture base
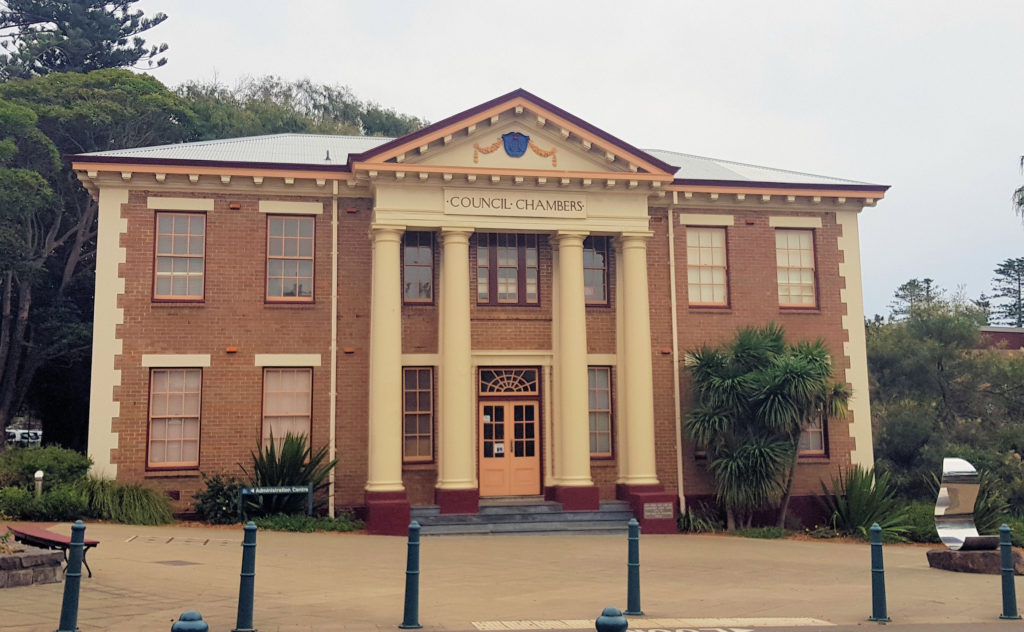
pixel 987 562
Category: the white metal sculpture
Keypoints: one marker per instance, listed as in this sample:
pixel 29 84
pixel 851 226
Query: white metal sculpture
pixel 954 508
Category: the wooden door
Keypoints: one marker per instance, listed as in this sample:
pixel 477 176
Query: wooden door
pixel 509 448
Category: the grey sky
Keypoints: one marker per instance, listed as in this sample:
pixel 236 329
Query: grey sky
pixel 925 96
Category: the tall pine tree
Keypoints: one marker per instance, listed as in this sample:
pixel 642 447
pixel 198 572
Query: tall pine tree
pixel 40 37
pixel 1008 287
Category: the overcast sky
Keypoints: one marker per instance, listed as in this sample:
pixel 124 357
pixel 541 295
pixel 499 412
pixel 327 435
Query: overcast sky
pixel 927 97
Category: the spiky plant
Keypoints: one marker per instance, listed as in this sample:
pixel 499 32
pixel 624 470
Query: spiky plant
pixel 292 464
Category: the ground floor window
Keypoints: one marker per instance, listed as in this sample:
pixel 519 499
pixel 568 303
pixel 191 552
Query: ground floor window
pixel 174 404
pixel 287 403
pixel 417 414
pixel 812 439
pixel 600 402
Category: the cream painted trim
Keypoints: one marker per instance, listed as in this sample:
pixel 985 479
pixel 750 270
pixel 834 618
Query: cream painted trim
pixel 498 358
pixel 287 359
pixel 855 348
pixel 179 204
pixel 176 360
pixel 794 222
pixel 286 207
pixel 602 359
pixel 421 359
pixel 700 219
pixel 106 346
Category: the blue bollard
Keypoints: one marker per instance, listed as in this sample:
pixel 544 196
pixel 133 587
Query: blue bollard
pixel 243 622
pixel 878 612
pixel 633 571
pixel 73 579
pixel 1009 590
pixel 611 620
pixel 190 621
pixel 411 617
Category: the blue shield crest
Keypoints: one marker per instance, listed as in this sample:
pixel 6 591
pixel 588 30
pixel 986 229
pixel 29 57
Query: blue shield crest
pixel 515 143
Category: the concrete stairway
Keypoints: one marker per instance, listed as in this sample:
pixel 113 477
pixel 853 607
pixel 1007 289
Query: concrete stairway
pixel 525 516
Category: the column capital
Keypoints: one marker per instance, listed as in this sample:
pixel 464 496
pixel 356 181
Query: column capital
pixel 569 237
pixel 455 234
pixel 386 232
pixel 637 239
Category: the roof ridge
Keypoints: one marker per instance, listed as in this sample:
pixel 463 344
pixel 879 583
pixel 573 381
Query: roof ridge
pixel 241 139
pixel 748 164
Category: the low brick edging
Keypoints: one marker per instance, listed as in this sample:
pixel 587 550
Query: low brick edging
pixel 30 566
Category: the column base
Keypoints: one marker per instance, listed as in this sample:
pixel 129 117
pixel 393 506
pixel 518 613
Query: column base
pixel 585 498
pixel 653 507
pixel 458 501
pixel 387 513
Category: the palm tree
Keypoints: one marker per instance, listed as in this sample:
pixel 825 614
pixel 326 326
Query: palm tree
pixel 754 398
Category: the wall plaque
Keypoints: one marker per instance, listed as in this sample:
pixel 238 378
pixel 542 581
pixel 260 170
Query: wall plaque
pixel 657 511
pixel 515 203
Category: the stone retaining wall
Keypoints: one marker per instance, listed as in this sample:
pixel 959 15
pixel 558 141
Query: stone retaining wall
pixel 30 566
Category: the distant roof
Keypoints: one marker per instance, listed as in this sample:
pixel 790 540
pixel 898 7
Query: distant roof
pixel 320 150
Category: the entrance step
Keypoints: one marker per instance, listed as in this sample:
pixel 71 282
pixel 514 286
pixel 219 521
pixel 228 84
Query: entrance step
pixel 525 516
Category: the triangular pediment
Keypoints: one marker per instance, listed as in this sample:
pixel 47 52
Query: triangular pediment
pixel 543 140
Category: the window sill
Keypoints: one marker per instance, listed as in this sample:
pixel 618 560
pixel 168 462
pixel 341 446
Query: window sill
pixel 164 304
pixel 182 473
pixel 418 467
pixel 799 310
pixel 289 304
pixel 710 309
pixel 602 461
pixel 814 458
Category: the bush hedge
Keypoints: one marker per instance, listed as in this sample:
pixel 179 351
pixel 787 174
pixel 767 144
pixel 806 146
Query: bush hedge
pixel 61 467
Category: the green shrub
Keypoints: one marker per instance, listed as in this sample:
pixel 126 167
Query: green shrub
pixel 125 503
pixel 764 533
pixel 700 518
pixel 920 517
pixel 292 464
pixel 63 503
pixel 859 499
pixel 1016 524
pixel 217 502
pixel 821 532
pixel 15 502
pixel 306 524
pixel 60 466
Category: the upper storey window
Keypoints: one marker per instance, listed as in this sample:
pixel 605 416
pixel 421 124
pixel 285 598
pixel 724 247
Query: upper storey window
pixel 794 253
pixel 706 268
pixel 418 267
pixel 507 269
pixel 595 270
pixel 289 258
pixel 180 253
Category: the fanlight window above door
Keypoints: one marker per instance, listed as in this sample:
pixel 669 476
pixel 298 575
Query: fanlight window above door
pixel 505 381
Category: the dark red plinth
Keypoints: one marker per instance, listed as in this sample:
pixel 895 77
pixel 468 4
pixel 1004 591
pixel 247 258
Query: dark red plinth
pixel 578 498
pixel 654 508
pixel 387 513
pixel 458 501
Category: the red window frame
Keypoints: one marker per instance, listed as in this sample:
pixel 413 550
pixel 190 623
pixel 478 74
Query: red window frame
pixel 290 258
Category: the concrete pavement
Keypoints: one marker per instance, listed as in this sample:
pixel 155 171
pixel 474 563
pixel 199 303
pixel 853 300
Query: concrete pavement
pixel 144 577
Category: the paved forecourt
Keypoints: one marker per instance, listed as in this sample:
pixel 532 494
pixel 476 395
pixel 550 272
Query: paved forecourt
pixel 144 577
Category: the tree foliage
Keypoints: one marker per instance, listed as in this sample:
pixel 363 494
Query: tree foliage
pixel 1008 289
pixel 271 105
pixel 52 36
pixel 754 397
pixel 935 393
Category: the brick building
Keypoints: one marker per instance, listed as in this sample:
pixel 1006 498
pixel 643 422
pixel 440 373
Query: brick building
pixel 495 305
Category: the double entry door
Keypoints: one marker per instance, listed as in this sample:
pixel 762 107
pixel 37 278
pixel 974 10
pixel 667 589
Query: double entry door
pixel 509 448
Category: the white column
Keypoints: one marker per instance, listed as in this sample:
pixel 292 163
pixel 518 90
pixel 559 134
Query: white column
pixel 573 420
pixel 636 374
pixel 457 462
pixel 385 433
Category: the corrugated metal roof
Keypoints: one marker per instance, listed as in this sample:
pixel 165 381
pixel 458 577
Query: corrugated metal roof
pixel 700 168
pixel 314 149
pixel 290 149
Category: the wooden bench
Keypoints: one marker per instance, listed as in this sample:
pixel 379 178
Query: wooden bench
pixel 45 539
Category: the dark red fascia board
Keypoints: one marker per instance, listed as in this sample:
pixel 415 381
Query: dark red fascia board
pixel 880 188
pixel 430 129
pixel 207 163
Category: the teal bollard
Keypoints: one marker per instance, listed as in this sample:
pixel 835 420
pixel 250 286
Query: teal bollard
pixel 190 621
pixel 1006 559
pixel 73 579
pixel 411 616
pixel 243 622
pixel 633 571
pixel 611 620
pixel 878 612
